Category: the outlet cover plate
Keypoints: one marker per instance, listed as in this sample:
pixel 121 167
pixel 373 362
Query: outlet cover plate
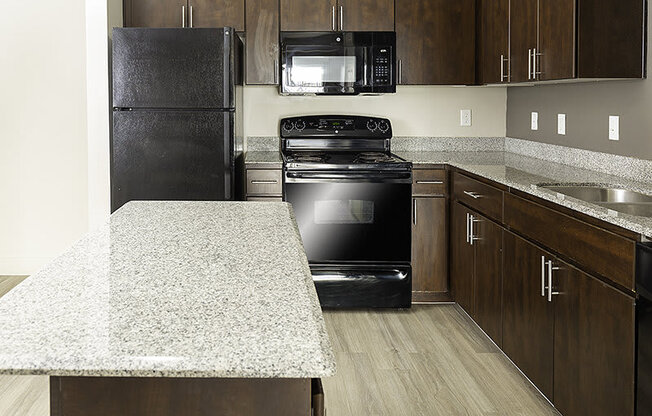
pixel 561 124
pixel 614 127
pixel 534 121
pixel 465 118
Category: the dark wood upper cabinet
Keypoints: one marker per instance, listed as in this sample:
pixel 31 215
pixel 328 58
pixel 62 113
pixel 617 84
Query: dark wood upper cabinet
pixel 528 317
pixel 435 41
pixel 308 15
pixel 262 42
pixel 493 39
pixel 523 39
pixel 555 57
pixel 488 243
pixel 593 346
pixel 429 246
pixel 461 258
pixel 366 15
pixel 217 13
pixel 154 13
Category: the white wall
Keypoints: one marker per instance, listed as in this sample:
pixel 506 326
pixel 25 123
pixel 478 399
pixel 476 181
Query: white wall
pixel 414 111
pixel 43 148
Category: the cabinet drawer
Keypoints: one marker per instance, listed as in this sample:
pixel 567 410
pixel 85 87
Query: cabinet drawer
pixel 598 250
pixel 429 182
pixel 486 199
pixel 264 182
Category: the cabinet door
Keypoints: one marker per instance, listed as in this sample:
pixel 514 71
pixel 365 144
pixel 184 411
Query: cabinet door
pixel 308 15
pixel 435 41
pixel 154 13
pixel 216 13
pixel 556 39
pixel 494 41
pixel 488 244
pixel 594 346
pixel 370 15
pixel 262 47
pixel 523 38
pixel 429 245
pixel 461 259
pixel 528 318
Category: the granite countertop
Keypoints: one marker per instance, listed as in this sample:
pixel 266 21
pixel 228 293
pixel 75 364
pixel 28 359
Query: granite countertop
pixel 526 173
pixel 272 160
pixel 173 289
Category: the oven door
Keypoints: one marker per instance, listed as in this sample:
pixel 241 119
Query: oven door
pixel 324 63
pixel 352 216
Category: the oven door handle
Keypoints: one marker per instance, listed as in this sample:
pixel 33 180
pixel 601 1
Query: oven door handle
pixel 368 177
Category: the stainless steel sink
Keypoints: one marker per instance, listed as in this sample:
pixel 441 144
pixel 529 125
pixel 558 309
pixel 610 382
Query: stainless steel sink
pixel 600 194
pixel 617 199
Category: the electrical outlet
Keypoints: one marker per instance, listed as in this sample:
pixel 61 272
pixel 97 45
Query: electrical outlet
pixel 534 121
pixel 614 128
pixel 465 118
pixel 561 123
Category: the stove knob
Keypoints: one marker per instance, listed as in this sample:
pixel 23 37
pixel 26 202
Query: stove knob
pixel 383 126
pixel 300 125
pixel 288 126
pixel 371 125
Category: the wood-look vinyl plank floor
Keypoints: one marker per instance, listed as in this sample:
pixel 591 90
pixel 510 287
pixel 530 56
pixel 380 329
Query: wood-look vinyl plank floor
pixel 9 282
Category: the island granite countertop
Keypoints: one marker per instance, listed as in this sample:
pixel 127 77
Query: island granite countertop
pixel 526 174
pixel 173 289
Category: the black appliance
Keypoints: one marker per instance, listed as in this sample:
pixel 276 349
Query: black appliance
pixel 644 329
pixel 338 63
pixel 174 114
pixel 352 202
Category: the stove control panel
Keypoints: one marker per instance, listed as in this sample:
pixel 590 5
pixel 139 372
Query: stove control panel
pixel 336 126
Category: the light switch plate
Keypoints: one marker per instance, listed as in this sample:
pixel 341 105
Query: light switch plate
pixel 614 127
pixel 534 121
pixel 465 118
pixel 561 123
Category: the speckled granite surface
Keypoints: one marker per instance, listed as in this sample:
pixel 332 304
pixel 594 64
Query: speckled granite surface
pixel 173 289
pixel 263 143
pixel 525 173
pixel 447 144
pixel 271 160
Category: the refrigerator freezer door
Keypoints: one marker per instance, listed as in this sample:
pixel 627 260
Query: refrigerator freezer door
pixel 173 68
pixel 171 155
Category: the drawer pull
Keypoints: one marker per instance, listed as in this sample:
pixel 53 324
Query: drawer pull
pixel 431 182
pixel 264 182
pixel 473 195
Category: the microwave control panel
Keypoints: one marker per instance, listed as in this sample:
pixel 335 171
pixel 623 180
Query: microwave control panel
pixel 382 66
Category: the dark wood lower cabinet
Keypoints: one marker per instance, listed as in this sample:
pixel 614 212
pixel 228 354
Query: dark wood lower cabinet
pixel 429 248
pixel 528 318
pixel 461 259
pixel 488 272
pixel 594 345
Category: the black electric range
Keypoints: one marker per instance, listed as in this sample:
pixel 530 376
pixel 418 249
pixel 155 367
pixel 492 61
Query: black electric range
pixel 352 202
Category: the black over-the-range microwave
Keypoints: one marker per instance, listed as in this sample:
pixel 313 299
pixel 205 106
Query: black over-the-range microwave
pixel 337 63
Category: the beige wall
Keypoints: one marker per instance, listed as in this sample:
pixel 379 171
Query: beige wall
pixel 414 111
pixel 43 150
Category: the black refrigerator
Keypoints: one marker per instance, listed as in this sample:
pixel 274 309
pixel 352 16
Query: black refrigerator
pixel 174 114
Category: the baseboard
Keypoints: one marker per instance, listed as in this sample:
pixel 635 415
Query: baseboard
pixel 431 297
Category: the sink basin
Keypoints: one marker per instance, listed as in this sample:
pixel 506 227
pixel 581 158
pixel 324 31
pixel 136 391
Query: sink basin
pixel 600 194
pixel 640 209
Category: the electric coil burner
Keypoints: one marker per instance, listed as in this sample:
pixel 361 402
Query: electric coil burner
pixel 352 202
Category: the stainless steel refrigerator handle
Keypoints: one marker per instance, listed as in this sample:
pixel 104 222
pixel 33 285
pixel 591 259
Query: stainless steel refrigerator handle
pixel 341 17
pixel 529 64
pixel 183 16
pixel 414 211
pixel 333 12
pixel 543 276
pixel 550 269
pixel 190 16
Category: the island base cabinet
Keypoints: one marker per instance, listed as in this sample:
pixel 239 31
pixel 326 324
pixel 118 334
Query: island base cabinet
pixel 135 396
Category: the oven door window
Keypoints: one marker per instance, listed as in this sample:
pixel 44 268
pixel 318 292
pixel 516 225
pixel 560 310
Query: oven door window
pixel 352 211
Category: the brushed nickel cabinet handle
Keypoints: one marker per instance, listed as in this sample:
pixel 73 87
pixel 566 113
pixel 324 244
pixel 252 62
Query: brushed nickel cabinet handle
pixel 264 182
pixel 473 195
pixel 190 16
pixel 414 211
pixel 543 276
pixel 431 182
pixel 333 12
pixel 502 69
pixel 400 71
pixel 529 64
pixel 472 237
pixel 341 17
pixel 275 71
pixel 550 270
pixel 183 16
pixel 468 218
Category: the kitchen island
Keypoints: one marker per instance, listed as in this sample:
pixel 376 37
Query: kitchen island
pixel 173 308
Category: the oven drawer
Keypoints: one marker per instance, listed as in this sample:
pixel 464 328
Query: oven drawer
pixel 429 182
pixel 482 197
pixel 264 182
